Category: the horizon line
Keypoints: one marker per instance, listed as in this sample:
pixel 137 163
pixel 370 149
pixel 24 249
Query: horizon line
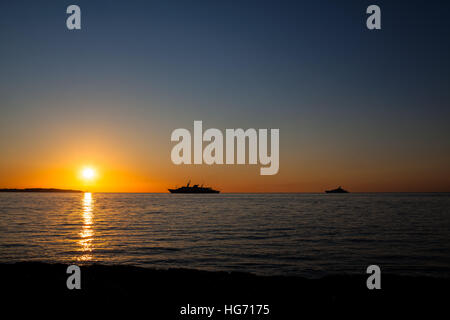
pixel 222 192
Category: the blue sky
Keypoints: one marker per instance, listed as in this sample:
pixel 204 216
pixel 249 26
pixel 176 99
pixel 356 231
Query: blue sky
pixel 345 98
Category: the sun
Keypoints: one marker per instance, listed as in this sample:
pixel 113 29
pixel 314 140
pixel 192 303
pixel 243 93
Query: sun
pixel 88 173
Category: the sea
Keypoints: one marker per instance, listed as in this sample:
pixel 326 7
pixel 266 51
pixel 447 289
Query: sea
pixel 308 235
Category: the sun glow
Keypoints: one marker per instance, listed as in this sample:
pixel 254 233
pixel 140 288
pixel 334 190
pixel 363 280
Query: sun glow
pixel 88 173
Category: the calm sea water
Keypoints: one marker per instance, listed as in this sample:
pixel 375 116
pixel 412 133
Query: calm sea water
pixel 296 234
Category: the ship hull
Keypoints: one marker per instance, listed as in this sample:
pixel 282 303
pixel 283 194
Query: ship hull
pixel 336 191
pixel 192 191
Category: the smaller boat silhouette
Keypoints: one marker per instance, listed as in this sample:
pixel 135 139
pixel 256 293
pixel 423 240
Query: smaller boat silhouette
pixel 338 190
pixel 193 189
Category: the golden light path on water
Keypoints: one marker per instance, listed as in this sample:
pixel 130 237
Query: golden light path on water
pixel 87 231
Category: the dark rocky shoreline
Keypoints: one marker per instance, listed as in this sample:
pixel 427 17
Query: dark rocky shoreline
pixel 131 289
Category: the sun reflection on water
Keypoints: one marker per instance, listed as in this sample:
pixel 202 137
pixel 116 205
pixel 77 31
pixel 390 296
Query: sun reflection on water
pixel 87 231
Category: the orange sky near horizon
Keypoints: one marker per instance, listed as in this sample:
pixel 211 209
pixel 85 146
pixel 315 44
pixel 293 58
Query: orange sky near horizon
pixel 127 169
pixel 138 160
pixel 128 161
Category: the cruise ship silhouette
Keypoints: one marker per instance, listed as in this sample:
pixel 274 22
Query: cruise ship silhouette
pixel 193 189
pixel 338 190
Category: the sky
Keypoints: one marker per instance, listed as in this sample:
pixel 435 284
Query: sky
pixel 368 110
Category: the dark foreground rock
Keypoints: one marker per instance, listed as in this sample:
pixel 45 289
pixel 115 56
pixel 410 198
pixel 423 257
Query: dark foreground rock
pixel 161 294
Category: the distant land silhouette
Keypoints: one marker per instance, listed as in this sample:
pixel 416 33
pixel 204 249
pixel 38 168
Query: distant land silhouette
pixel 41 190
